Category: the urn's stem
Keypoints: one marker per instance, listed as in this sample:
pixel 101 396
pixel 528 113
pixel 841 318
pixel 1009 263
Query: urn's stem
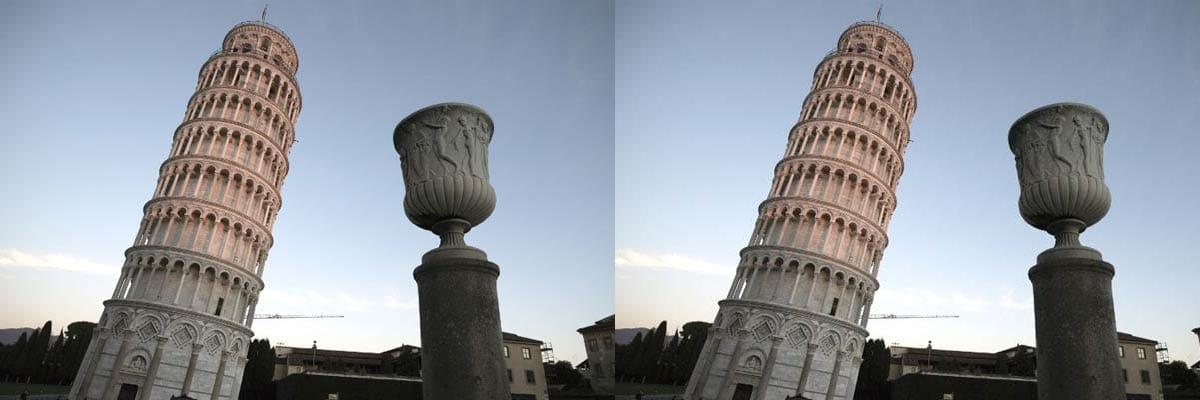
pixel 452 232
pixel 1066 232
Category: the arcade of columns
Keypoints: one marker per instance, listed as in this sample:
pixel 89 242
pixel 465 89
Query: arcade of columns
pixel 179 319
pixel 793 321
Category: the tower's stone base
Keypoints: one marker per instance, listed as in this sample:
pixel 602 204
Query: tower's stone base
pixel 131 333
pixel 745 335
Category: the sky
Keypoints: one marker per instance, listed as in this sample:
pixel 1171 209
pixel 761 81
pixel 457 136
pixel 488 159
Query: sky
pixel 94 91
pixel 706 93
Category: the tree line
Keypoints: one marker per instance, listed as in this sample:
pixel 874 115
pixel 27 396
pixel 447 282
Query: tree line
pixel 650 358
pixel 35 358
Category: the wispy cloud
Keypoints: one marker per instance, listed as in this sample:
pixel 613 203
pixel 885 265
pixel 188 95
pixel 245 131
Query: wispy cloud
pixel 393 301
pixel 630 258
pixel 19 259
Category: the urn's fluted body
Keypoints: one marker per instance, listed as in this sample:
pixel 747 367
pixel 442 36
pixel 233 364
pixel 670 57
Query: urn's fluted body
pixel 179 318
pixel 443 152
pixel 1060 164
pixel 793 322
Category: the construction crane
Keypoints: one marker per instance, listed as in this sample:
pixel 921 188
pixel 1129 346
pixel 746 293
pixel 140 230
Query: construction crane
pixel 291 316
pixel 907 316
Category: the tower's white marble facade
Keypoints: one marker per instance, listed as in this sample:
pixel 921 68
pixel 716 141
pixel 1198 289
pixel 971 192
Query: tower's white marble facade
pixel 179 318
pixel 794 320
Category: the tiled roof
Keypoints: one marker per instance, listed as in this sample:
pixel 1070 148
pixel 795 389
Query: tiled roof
pixel 509 337
pixel 604 324
pixel 1125 337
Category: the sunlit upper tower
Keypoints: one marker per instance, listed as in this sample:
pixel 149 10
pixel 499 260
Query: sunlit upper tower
pixel 179 319
pixel 794 320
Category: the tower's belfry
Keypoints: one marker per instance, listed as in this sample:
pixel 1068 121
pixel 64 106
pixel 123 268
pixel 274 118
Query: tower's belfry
pixel 794 320
pixel 179 319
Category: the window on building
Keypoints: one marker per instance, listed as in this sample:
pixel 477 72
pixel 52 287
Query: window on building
pixel 509 376
pixel 591 345
pixel 1141 353
pixel 505 351
pixel 529 377
pixel 833 310
pixel 1121 351
pixel 597 371
pixel 1124 375
pixel 525 353
pixel 1145 376
pixel 220 303
pixel 608 343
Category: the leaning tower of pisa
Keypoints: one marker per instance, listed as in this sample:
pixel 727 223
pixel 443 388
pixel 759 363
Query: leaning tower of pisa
pixel 795 318
pixel 178 321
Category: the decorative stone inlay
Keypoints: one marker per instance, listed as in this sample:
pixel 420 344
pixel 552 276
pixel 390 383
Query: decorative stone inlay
pixel 147 331
pixel 120 327
pixel 213 344
pixel 762 331
pixel 828 345
pixel 797 338
pixel 183 336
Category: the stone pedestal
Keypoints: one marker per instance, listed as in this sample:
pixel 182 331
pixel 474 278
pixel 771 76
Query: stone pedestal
pixel 1076 331
pixel 461 356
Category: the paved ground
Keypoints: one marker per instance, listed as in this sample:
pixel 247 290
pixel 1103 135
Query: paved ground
pixel 651 397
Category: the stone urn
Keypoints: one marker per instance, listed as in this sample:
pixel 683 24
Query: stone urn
pixel 1059 151
pixel 443 153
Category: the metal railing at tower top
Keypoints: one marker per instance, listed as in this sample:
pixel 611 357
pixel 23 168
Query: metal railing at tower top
pixel 272 27
pixel 881 25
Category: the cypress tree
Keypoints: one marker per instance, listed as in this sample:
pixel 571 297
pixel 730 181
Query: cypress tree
pixel 626 354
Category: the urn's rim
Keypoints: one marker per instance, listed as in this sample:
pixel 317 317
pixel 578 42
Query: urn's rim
pixel 471 107
pixel 1013 132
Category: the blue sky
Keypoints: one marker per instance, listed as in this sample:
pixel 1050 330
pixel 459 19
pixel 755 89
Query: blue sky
pixel 93 92
pixel 707 91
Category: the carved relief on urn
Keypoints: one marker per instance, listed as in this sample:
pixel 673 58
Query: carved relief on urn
pixel 1060 167
pixel 443 153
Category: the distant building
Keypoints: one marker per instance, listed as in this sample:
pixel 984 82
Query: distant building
pixel 964 374
pixel 601 353
pixel 1139 367
pixel 295 360
pixel 526 374
pixel 313 373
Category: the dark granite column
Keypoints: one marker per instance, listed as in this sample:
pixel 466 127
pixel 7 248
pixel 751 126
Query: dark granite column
pixel 1076 331
pixel 461 343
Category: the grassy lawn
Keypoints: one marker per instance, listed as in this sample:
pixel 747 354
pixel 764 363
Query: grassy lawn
pixel 13 388
pixel 646 388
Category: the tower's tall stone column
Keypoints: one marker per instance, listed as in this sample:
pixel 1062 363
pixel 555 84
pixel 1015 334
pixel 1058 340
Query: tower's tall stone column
pixel 443 154
pixel 1060 167
pixel 199 254
pixel 808 272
